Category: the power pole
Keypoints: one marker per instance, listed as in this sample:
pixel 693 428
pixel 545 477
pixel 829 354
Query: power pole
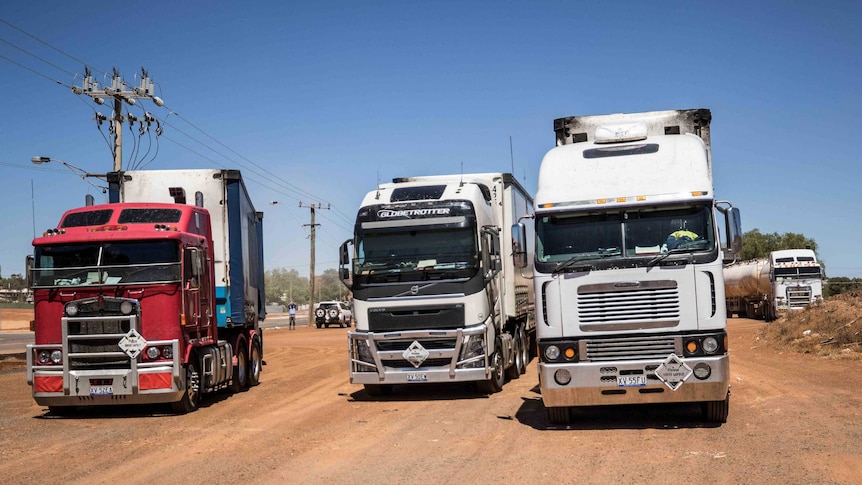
pixel 312 207
pixel 118 92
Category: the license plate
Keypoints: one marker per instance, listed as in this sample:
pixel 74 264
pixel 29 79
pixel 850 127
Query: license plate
pixel 417 377
pixel 631 381
pixel 101 390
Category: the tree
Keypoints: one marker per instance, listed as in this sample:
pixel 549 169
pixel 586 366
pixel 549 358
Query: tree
pixel 282 284
pixel 756 245
pixel 841 284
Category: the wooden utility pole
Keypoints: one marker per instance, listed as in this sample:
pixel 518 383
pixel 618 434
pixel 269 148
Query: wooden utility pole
pixel 313 225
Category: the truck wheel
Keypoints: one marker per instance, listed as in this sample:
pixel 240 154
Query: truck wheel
pixel 525 350
pixel 716 411
pixel 255 364
pixel 378 390
pixel 191 398
pixel 498 375
pixel 560 415
pixel 513 371
pixel 239 382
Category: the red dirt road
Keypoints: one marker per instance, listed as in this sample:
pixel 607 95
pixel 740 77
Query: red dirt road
pixel 793 419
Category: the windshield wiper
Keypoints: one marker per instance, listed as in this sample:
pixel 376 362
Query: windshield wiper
pixel 570 263
pixel 658 259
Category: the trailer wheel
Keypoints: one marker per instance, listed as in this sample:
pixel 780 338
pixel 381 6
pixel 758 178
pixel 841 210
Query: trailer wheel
pixel 255 363
pixel 716 411
pixel 498 375
pixel 514 371
pixel 191 398
pixel 239 381
pixel 378 390
pixel 525 350
pixel 559 415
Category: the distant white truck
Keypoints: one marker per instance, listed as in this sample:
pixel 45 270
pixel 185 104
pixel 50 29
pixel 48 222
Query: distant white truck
pixel 440 291
pixel 628 272
pixel 764 288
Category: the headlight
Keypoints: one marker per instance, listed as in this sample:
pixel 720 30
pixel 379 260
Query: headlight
pixel 56 357
pixel 552 352
pixel 44 356
pixel 473 347
pixel 710 345
pixel 167 352
pixel 563 377
pixel 126 307
pixel 153 353
pixel 702 371
pixel 71 309
pixel 363 352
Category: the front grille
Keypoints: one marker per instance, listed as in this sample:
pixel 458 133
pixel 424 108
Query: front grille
pixel 401 345
pixel 93 342
pixel 416 318
pixel 640 302
pixel 629 348
pixel 799 296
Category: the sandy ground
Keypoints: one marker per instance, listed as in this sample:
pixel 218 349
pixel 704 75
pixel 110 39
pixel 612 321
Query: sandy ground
pixel 794 418
pixel 15 319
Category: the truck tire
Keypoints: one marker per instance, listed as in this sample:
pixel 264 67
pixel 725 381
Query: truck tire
pixel 513 371
pixel 716 411
pixel 192 397
pixel 239 381
pixel 498 374
pixel 378 390
pixel 255 364
pixel 560 415
pixel 525 350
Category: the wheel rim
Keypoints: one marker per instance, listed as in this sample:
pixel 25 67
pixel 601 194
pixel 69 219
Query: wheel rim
pixel 242 369
pixel 255 363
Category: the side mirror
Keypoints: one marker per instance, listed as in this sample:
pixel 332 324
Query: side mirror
pixel 343 253
pixel 28 269
pixel 519 245
pixel 197 263
pixel 343 261
pixel 732 231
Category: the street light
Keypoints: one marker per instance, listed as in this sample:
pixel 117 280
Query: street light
pixel 74 169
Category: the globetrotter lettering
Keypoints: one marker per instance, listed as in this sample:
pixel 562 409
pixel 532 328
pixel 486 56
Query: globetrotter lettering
pixel 387 213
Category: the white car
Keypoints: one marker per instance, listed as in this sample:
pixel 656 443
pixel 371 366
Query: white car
pixel 333 313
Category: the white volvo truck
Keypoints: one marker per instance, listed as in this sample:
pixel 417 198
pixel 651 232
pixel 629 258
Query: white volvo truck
pixel 628 270
pixel 439 292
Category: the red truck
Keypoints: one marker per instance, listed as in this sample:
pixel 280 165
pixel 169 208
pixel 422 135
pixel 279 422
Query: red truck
pixel 131 301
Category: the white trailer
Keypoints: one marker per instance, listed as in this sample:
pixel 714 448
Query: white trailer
pixel 764 288
pixel 439 292
pixel 628 272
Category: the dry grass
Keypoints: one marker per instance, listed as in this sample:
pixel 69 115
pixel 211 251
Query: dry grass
pixel 832 329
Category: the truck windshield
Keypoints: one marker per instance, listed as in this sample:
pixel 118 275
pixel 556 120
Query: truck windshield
pixel 797 273
pixel 115 263
pixel 417 254
pixel 627 233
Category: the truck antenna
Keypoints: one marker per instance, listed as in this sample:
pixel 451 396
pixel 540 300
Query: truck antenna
pixel 377 197
pixel 512 154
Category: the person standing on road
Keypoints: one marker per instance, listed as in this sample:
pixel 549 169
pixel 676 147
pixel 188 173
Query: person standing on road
pixel 291 310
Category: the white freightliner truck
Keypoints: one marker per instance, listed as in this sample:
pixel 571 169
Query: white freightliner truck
pixel 628 271
pixel 789 279
pixel 439 292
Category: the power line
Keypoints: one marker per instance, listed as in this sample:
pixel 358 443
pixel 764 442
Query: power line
pixel 47 44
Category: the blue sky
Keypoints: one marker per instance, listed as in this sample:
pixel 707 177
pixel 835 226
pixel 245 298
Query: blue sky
pixel 318 101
